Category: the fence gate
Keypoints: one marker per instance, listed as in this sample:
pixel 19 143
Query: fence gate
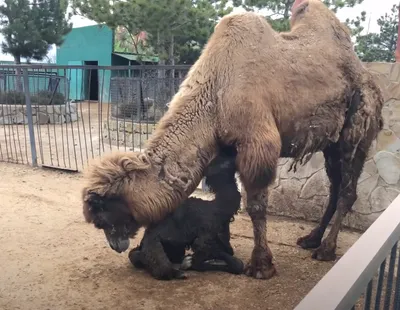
pixel 64 116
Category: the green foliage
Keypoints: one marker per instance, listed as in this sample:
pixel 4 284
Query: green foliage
pixel 176 28
pixel 380 46
pixel 44 97
pixel 12 97
pixel 31 27
pixel 279 11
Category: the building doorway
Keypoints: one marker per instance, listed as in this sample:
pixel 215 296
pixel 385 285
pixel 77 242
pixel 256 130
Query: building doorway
pixel 92 81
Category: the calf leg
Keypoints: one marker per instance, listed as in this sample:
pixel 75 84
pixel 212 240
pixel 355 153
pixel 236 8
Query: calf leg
pixel 333 170
pixel 157 263
pixel 207 252
pixel 220 261
pixel 224 237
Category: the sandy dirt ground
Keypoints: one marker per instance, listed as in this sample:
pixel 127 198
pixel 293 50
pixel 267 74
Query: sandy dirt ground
pixel 51 259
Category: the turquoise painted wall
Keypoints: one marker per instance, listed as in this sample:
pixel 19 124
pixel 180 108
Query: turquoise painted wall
pixel 90 43
pixel 39 79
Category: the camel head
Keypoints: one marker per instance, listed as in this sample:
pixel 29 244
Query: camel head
pixel 312 13
pixel 121 195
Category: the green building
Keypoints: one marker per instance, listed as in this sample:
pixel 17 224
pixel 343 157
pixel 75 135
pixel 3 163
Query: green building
pixel 95 45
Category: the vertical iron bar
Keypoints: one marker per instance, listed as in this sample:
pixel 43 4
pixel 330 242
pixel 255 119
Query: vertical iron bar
pixel 51 118
pixel 77 125
pixel 83 122
pixel 389 282
pixel 396 305
pixel 100 102
pixel 58 122
pixel 119 97
pixel 8 111
pixel 132 79
pixel 66 119
pixel 13 134
pixel 127 82
pixel 69 113
pixel 30 118
pixel 138 111
pixel 368 296
pixel 38 125
pixel 379 287
pixel 11 120
pixel 89 120
pixel 109 109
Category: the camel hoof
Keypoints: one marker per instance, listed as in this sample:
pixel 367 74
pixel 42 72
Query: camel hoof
pixel 324 253
pixel 260 267
pixel 260 272
pixel 309 242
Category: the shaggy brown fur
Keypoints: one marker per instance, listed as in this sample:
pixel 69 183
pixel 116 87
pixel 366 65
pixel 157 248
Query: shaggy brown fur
pixel 269 95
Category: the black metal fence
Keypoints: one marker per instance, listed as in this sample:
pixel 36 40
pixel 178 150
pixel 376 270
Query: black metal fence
pixel 62 116
pixel 367 276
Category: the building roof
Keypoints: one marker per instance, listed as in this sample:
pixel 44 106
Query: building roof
pixel 135 57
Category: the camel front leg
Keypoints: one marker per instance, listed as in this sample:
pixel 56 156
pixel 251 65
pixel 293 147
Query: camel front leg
pixel 257 161
pixel 260 265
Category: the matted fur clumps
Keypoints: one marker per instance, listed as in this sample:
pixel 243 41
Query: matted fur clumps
pixel 120 175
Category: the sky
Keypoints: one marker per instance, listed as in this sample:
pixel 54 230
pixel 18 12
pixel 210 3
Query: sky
pixel 374 9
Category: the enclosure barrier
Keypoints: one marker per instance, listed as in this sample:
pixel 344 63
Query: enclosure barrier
pixel 361 278
pixel 64 116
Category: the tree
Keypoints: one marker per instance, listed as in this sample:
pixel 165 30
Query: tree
pixel 31 27
pixel 279 10
pixel 177 29
pixel 380 46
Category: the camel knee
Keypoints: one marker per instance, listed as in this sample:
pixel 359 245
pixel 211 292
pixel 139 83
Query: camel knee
pixel 256 205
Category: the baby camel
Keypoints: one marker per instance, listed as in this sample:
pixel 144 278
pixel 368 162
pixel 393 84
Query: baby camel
pixel 197 224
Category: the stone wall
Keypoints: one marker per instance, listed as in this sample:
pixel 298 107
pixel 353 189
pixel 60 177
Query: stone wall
pixel 304 194
pixel 44 114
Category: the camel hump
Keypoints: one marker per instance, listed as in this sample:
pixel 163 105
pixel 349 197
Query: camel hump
pixel 245 26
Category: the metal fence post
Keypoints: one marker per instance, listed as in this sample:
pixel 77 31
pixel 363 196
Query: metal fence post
pixel 30 118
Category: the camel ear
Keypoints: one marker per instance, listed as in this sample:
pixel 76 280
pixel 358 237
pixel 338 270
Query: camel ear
pixel 127 164
pixel 299 7
pixel 144 159
pixel 135 163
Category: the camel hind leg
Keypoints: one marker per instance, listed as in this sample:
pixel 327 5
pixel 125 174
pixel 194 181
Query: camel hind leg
pixel 351 170
pixel 354 144
pixel 333 170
